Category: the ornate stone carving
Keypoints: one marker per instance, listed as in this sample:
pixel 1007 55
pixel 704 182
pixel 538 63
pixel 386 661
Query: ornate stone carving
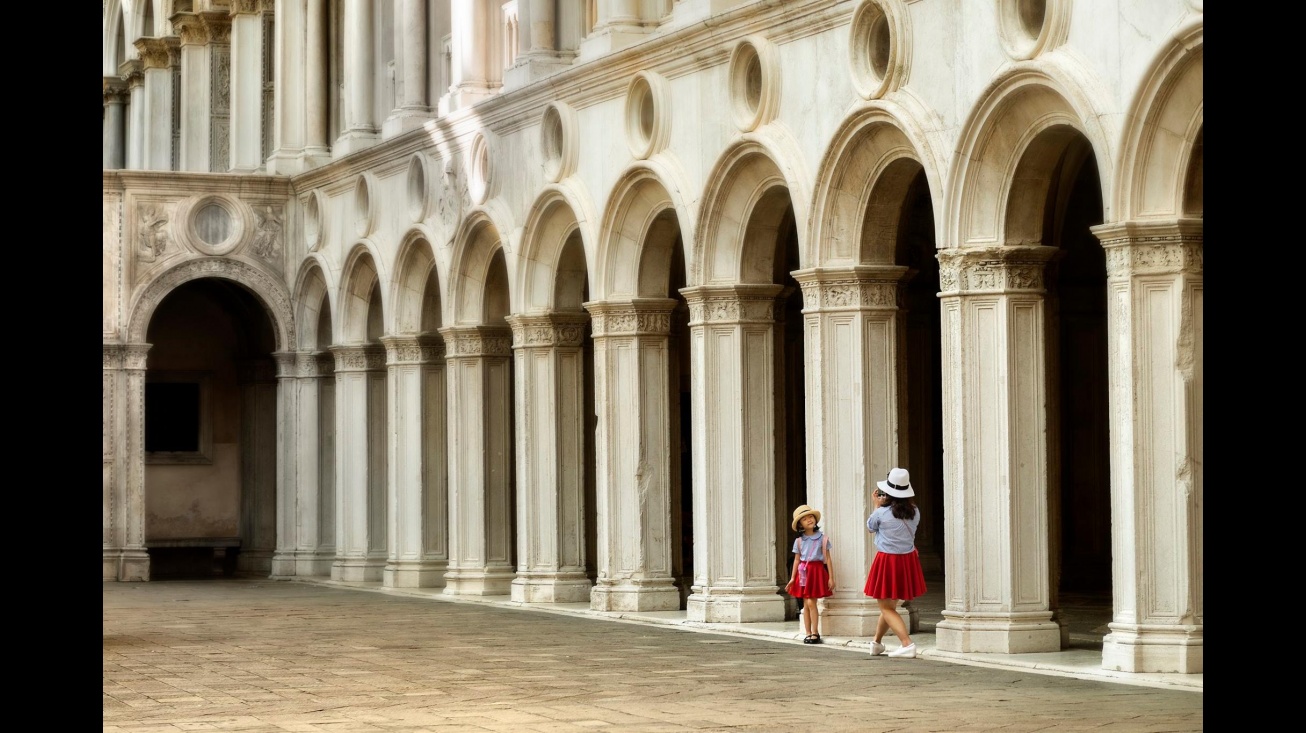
pixel 474 341
pixel 1153 255
pixel 851 288
pixel 287 364
pixel 413 350
pixel 242 7
pixel 359 358
pixel 269 289
pixel 152 231
pixel 115 90
pixel 156 53
pixel 190 28
pixel 547 330
pixel 993 269
pixel 732 304
pixel 218 25
pixel 455 197
pixel 647 318
pixel 125 356
pixel 267 233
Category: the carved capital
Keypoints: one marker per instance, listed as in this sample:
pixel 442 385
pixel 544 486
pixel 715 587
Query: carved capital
pixel 421 349
pixel 246 7
pixel 359 357
pixel 852 288
pixel 1148 248
pixel 476 341
pixel 125 356
pixel 218 25
pixel 157 53
pixel 731 303
pixel 287 364
pixel 190 28
pixel 115 90
pixel 993 269
pixel 550 329
pixel 641 317
pixel 132 73
pixel 315 364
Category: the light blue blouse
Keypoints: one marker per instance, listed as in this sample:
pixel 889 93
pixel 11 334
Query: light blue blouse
pixel 810 548
pixel 893 535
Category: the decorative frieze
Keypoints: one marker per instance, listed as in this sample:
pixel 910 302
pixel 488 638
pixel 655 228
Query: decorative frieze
pixel 731 303
pixel 852 288
pixel 359 357
pixel 424 349
pixel 993 269
pixel 1134 248
pixel 476 341
pixel 645 317
pixel 315 364
pixel 550 329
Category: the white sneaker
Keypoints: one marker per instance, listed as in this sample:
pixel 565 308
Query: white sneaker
pixel 907 652
pixel 876 649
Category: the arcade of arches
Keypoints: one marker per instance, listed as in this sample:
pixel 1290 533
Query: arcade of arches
pixel 397 309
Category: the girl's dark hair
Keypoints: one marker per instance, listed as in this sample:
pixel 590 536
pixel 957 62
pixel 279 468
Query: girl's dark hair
pixel 904 508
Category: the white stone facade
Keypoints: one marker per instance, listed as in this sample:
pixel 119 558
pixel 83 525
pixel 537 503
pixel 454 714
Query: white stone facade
pixel 576 301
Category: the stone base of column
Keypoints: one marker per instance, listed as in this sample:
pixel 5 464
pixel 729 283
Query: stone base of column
pixel 606 42
pixel 414 574
pixel 1153 648
pixel 357 569
pixel 532 68
pixel 404 120
pixel 1001 633
pixel 735 605
pixel 254 562
pixel 285 163
pixel 487 581
pixel 313 564
pixel 858 617
pixel 560 587
pixel 284 565
pixel 630 594
pixel 353 141
pixel 126 564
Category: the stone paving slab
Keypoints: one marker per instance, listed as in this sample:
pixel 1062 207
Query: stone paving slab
pixel 263 655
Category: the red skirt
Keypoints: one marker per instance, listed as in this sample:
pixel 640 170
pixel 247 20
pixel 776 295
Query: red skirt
pixel 818 581
pixel 895 576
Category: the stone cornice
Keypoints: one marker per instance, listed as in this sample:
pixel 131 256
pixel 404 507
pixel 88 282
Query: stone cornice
pixel 861 287
pixel 420 349
pixel 640 317
pixel 993 269
pixel 125 356
pixel 359 357
pixel 548 330
pixel 463 342
pixel 731 303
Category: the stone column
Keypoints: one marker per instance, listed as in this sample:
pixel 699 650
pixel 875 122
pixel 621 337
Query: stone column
pixel 997 592
pixel 418 494
pixel 315 102
pixel 157 57
pixel 246 132
pixel 634 447
pixel 360 463
pixel 414 107
pixel 537 51
pixel 258 465
pixel 550 375
pixel 286 494
pixel 115 128
pixel 472 22
pixel 732 352
pixel 856 391
pixel 125 557
pixel 289 85
pixel 359 71
pixel 132 72
pixel 313 500
pixel 205 90
pixel 480 460
pixel 619 24
pixel 1155 327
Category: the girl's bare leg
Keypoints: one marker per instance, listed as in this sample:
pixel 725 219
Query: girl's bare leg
pixel 881 627
pixel 810 620
pixel 889 615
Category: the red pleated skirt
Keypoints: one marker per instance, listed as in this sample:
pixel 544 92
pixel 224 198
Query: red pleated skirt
pixel 818 581
pixel 895 576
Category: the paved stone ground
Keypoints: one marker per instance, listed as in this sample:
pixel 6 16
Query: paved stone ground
pixel 263 655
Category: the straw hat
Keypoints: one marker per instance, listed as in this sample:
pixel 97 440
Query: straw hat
pixel 803 511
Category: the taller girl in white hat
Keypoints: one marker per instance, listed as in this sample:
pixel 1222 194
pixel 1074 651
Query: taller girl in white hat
pixel 896 570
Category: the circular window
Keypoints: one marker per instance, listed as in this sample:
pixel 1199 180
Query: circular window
pixel 558 141
pixel 213 224
pixel 314 223
pixel 419 189
pixel 647 116
pixel 754 83
pixel 1030 27
pixel 480 172
pixel 878 48
pixel 364 208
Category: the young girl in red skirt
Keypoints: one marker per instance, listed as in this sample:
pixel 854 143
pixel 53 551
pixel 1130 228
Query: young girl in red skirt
pixel 896 570
pixel 812 576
